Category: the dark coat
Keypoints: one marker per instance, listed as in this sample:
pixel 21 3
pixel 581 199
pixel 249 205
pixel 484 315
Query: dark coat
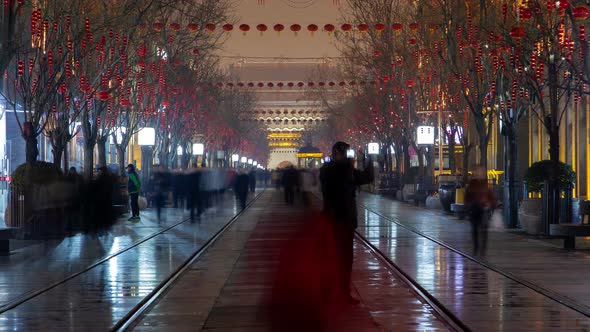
pixel 241 184
pixel 340 180
pixel 290 178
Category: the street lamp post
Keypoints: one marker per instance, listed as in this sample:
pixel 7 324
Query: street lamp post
pixel 235 159
pixel 146 138
pixel 198 151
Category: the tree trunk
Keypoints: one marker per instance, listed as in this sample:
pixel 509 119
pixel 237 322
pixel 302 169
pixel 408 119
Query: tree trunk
pixel 406 148
pixel 32 151
pixel 555 190
pixel 553 128
pixel 420 153
pixel 66 159
pixel 466 153
pixel 121 158
pixel 88 160
pixel 147 153
pixel 512 169
pixel 483 150
pixel 101 144
pixel 452 163
pixel 57 152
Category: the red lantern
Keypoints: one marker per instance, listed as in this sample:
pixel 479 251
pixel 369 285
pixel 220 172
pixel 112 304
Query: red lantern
pixel 290 84
pixel 525 14
pixel 196 51
pixel 331 84
pixel 280 84
pixel 158 26
pixel 295 28
pixel 581 14
pixel 412 41
pixel 174 26
pixel 300 84
pixel 346 27
pixel 262 28
pixel 126 102
pixel 321 84
pixel 397 26
pixel 103 95
pixel 228 28
pixel 244 28
pixel 250 85
pixel 329 28
pixel 517 33
pixel 414 26
pixel 270 85
pixel 240 85
pixel 261 85
pixel 312 28
pixel 363 27
pixel 377 54
pixel 380 28
pixel 193 27
pixel 21 68
pixel 210 27
pixel 279 28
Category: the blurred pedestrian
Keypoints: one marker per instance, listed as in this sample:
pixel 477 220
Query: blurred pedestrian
pixel 290 181
pixel 339 180
pixel 160 182
pixel 308 183
pixel 195 193
pixel 252 180
pixel 277 178
pixel 133 187
pixel 103 199
pixel 241 188
pixel 480 202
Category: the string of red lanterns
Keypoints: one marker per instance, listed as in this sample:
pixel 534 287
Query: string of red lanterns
pixel 312 28
pixel 280 85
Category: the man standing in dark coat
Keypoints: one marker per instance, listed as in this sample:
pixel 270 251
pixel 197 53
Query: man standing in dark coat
pixel 290 182
pixel 340 180
pixel 241 188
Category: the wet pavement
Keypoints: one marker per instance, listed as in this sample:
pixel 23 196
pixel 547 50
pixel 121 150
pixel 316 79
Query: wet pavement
pixel 482 298
pixel 99 297
pixel 234 286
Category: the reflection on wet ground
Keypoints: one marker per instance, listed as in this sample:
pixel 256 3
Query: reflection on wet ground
pixel 109 290
pixel 482 298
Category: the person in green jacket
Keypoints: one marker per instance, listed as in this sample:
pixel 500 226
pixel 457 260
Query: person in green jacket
pixel 133 187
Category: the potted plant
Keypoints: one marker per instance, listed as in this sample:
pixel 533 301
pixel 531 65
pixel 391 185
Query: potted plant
pixel 409 180
pixel 27 179
pixel 531 209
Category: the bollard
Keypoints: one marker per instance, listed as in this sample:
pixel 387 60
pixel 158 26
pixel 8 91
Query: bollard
pixel 460 196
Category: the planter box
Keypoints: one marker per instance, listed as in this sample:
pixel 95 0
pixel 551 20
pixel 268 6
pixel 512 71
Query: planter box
pixel 407 190
pixel 530 214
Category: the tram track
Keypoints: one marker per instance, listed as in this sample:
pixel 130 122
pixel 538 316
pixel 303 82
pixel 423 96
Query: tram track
pixel 42 291
pixel 446 315
pixel 133 316
pixel 442 312
pixel 558 298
